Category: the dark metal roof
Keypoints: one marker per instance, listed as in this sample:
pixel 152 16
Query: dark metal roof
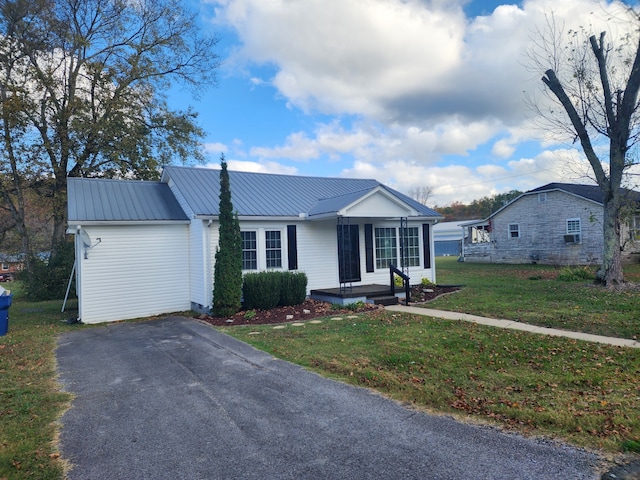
pixel 96 199
pixel 591 192
pixel 268 195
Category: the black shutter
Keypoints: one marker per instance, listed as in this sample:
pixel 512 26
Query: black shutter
pixel 292 247
pixel 368 246
pixel 426 245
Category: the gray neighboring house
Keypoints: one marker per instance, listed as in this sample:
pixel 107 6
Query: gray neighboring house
pixel 148 248
pixel 556 224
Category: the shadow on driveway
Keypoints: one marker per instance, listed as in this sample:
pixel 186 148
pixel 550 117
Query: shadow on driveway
pixel 174 398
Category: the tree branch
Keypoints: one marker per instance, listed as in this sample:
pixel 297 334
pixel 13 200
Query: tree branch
pixel 551 81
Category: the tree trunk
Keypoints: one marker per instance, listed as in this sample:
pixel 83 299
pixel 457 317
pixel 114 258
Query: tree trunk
pixel 610 273
pixel 59 212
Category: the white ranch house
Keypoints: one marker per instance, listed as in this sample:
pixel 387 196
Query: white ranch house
pixel 556 224
pixel 148 248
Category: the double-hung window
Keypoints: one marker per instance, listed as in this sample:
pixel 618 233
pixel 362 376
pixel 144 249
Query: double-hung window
pixel 386 247
pixel 249 250
pixel 514 230
pixel 261 249
pixel 412 244
pixel 273 250
pixel 574 228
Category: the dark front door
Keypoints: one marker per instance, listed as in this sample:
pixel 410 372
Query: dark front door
pixel 349 253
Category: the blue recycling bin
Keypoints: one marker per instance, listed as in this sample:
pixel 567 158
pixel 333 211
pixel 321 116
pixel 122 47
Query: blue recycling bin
pixel 5 303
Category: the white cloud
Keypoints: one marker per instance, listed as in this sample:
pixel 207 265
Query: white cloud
pixel 423 82
pixel 255 167
pixel 215 148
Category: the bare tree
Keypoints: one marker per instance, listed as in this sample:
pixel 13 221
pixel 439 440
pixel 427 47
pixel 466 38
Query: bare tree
pixel 596 84
pixel 421 194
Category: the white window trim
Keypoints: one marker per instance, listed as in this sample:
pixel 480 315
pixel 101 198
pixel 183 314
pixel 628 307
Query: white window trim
pixel 509 231
pixel 261 248
pixel 577 219
pixel 375 246
pixel 397 236
pixel 279 230
pixel 257 269
pixel 574 232
pixel 542 197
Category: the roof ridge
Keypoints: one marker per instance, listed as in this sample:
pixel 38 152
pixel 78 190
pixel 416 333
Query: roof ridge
pixel 289 175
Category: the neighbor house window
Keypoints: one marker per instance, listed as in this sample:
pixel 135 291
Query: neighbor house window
pixel 249 251
pixel 273 248
pixel 412 243
pixel 386 247
pixel 514 230
pixel 573 226
pixel 5 267
pixel 542 198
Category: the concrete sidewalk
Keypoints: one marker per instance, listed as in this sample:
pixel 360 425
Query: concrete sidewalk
pixel 510 324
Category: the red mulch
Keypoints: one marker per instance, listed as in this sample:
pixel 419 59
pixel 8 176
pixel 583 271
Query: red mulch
pixel 311 309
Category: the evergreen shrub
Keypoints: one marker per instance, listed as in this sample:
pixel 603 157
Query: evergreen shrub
pixel 48 279
pixel 294 288
pixel 265 290
pixel 261 290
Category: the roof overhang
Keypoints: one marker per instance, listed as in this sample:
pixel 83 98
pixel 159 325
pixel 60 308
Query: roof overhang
pixel 112 223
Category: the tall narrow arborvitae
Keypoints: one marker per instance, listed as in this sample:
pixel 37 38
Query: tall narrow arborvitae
pixel 227 277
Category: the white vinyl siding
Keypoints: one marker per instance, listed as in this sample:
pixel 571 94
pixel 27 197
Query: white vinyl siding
pixel 135 271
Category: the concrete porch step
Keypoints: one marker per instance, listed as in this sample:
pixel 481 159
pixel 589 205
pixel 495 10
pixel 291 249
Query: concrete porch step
pixel 384 300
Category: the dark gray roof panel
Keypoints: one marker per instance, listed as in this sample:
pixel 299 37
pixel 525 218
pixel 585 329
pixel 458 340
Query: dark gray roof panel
pixel 591 192
pixel 96 199
pixel 260 194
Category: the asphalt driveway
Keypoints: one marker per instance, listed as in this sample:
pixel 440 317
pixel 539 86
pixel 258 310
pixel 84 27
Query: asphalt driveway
pixel 174 398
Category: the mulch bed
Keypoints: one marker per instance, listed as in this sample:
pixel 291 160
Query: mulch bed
pixel 311 309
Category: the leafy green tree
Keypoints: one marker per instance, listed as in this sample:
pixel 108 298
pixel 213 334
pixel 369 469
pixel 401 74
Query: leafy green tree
pixel 81 94
pixel 227 277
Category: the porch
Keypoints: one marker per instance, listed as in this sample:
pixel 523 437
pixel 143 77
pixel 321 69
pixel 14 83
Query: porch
pixel 374 293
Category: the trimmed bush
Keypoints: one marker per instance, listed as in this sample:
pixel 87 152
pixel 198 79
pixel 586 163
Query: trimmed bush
pixel 261 290
pixel 294 288
pixel 266 290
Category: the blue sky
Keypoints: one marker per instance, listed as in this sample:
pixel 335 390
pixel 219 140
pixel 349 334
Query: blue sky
pixel 412 93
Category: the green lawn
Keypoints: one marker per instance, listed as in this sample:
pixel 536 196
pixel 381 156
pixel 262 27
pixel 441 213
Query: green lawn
pixel 584 393
pixel 30 398
pixel 533 294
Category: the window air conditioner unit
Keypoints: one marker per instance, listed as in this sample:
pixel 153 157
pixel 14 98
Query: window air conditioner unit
pixel 572 238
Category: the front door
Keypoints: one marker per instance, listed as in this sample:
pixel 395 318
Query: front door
pixel 349 253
